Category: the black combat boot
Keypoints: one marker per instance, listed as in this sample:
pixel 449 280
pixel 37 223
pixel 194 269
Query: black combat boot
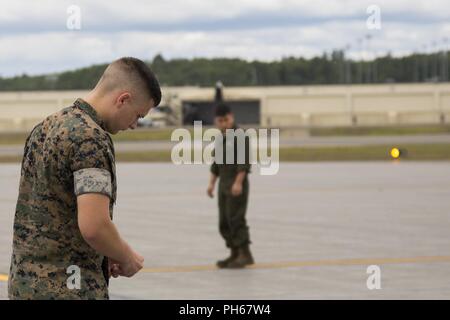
pixel 243 258
pixel 223 263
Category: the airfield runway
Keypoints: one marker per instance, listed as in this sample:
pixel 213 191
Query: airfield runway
pixel 132 146
pixel 315 227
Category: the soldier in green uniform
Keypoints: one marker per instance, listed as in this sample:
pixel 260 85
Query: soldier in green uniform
pixel 233 192
pixel 65 245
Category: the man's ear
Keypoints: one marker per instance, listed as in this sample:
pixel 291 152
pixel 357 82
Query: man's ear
pixel 123 98
pixel 152 104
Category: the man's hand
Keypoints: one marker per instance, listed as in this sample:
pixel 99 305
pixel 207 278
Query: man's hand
pixel 211 185
pixel 236 189
pixel 128 268
pixel 210 190
pixel 101 234
pixel 114 269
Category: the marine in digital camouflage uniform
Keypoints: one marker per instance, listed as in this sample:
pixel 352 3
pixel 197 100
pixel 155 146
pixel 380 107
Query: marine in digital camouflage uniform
pixel 68 188
pixel 67 154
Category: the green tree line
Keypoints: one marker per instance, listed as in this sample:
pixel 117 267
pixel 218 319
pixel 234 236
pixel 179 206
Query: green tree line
pixel 326 69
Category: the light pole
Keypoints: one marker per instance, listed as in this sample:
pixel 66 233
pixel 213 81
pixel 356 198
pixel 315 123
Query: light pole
pixel 360 64
pixel 434 60
pixel 425 63
pixel 348 66
pixel 369 71
pixel 444 65
pixel 341 63
pixel 416 65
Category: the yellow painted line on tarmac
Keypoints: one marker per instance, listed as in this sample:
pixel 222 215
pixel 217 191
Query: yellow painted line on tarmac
pixel 316 263
pixel 298 264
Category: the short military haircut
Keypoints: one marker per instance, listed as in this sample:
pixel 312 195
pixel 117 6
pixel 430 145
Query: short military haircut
pixel 222 110
pixel 131 74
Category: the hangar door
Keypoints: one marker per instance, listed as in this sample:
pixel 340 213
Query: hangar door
pixel 245 111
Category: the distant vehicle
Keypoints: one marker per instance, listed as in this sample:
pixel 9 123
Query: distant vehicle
pixel 159 117
pixel 145 122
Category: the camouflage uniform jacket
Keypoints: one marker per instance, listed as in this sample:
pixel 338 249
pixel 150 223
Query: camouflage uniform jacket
pixel 67 154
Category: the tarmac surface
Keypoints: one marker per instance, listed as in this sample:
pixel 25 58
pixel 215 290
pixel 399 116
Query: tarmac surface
pixel 315 227
pixel 14 150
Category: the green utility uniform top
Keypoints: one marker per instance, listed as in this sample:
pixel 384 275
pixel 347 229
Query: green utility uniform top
pixel 68 154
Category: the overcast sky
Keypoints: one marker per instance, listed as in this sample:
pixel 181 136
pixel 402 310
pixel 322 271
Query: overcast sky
pixel 35 39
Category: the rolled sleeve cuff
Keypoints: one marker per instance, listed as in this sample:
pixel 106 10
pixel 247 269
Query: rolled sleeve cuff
pixel 244 167
pixel 92 180
pixel 214 169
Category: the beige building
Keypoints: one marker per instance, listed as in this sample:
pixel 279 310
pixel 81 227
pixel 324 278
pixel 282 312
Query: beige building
pixel 283 106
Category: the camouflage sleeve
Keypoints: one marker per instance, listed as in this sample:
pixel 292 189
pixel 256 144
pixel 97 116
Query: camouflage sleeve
pixel 92 180
pixel 91 164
